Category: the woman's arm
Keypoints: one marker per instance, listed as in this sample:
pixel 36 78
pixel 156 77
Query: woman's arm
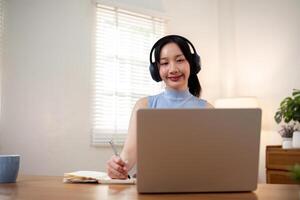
pixel 129 152
pixel 208 105
pixel 119 167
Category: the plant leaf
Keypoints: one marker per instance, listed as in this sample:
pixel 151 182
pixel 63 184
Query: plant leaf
pixel 278 117
pixel 297 99
pixel 296 172
pixel 296 92
pixel 285 101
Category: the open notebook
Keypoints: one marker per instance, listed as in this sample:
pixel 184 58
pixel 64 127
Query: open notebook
pixel 94 177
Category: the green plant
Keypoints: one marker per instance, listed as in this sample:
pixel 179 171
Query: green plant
pixel 296 172
pixel 289 108
pixel 287 130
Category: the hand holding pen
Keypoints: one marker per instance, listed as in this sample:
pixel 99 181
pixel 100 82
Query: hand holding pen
pixel 116 167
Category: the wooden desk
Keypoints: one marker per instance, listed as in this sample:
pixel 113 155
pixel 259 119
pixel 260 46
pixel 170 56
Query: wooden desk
pixel 278 164
pixel 43 187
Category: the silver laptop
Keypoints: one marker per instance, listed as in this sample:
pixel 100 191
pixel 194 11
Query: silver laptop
pixel 197 150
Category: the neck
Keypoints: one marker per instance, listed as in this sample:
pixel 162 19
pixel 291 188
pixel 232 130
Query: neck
pixel 177 89
pixel 171 93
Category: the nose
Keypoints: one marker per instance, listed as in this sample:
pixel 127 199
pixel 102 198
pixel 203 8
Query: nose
pixel 173 68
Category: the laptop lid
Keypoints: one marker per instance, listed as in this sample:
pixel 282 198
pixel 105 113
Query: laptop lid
pixel 197 150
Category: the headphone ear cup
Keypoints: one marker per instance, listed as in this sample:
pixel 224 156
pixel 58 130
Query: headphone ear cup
pixel 197 62
pixel 154 72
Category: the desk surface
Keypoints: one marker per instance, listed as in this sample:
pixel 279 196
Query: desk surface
pixel 45 187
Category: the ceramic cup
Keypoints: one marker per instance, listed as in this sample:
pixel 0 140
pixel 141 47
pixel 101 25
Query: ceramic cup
pixel 9 168
pixel 296 139
pixel 287 143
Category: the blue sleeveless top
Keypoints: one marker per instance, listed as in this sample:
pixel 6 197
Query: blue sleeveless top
pixel 175 99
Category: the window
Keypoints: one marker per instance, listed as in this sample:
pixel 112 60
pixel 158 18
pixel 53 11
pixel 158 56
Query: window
pixel 121 75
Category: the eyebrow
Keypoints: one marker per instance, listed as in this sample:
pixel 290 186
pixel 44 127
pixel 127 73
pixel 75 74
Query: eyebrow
pixel 165 58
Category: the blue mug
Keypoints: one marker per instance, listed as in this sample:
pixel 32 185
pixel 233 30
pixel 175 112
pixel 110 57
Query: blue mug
pixel 9 168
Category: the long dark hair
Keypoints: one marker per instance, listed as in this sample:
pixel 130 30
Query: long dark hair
pixel 193 81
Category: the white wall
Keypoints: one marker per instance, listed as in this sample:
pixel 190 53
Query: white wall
pixel 46 84
pixel 198 21
pixel 46 77
pixel 267 52
pixel 247 48
pixel 267 58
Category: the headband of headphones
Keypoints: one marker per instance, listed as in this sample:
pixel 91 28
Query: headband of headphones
pixel 195 58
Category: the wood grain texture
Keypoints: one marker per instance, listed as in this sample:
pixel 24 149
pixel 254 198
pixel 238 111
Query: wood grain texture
pixel 279 177
pixel 45 187
pixel 279 162
pixel 281 159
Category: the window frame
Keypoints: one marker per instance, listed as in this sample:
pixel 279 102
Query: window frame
pixel 102 139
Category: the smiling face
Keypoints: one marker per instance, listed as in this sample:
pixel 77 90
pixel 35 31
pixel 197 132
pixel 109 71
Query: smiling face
pixel 174 69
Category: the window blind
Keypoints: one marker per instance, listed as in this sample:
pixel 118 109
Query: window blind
pixel 121 75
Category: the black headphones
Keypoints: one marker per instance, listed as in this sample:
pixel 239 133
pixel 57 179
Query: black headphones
pixel 195 66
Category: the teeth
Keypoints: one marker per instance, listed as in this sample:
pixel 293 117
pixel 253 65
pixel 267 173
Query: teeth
pixel 174 78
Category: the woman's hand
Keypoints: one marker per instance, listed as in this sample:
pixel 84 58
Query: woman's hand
pixel 117 168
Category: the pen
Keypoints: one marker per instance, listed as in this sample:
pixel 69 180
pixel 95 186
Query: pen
pixel 115 151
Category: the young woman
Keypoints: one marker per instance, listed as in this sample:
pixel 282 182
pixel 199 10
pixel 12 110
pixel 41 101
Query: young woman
pixel 177 66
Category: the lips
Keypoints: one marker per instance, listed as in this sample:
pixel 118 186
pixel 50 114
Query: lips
pixel 175 78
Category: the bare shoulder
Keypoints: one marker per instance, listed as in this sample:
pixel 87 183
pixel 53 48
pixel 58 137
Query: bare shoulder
pixel 141 103
pixel 209 105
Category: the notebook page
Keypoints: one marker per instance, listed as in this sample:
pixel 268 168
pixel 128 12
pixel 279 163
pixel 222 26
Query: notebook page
pixel 94 176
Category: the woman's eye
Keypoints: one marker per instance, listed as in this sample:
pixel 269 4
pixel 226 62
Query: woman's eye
pixel 180 60
pixel 163 64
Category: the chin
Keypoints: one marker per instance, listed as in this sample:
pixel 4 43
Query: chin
pixel 177 86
